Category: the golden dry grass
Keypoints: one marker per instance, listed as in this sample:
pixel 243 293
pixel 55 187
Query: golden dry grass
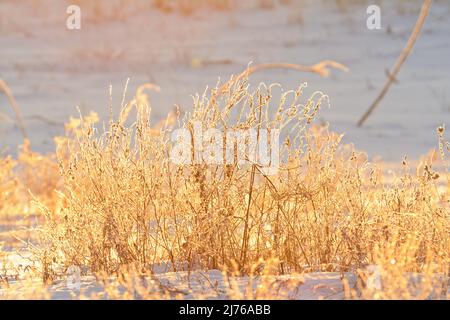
pixel 122 204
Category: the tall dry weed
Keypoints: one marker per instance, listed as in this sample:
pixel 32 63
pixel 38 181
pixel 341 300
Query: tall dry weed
pixel 327 209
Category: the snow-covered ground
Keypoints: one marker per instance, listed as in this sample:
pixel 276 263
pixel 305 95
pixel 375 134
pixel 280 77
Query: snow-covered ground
pixel 210 284
pixel 51 70
pixel 196 285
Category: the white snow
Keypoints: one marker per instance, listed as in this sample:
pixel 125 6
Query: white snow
pixel 78 283
pixel 198 284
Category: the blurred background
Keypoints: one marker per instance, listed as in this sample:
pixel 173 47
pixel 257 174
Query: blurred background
pixel 184 46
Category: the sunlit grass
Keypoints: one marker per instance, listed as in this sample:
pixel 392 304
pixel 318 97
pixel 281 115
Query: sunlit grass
pixel 116 205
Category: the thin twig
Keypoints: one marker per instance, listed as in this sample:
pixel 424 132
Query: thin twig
pixel 250 193
pixel 320 68
pixel 401 59
pixel 4 87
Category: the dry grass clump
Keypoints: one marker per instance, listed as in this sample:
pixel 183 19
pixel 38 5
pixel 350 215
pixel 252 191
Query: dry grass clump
pixel 39 175
pixel 8 183
pixel 30 176
pixel 114 199
pixel 125 202
pixel 146 208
